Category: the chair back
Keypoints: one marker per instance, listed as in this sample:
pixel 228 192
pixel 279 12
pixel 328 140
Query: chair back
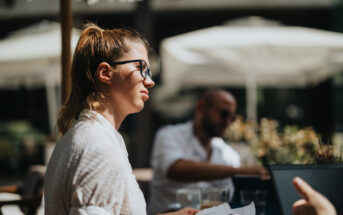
pixel 32 187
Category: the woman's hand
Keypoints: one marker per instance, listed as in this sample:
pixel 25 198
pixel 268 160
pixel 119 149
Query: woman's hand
pixel 313 203
pixel 185 211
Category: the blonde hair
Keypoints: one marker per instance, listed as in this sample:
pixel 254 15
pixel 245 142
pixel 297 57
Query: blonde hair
pixel 95 45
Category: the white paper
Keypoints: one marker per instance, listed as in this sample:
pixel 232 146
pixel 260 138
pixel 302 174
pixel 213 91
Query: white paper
pixel 246 210
pixel 217 210
pixel 225 209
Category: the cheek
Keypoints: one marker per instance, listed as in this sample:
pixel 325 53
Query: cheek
pixel 126 83
pixel 133 88
pixel 134 85
pixel 215 119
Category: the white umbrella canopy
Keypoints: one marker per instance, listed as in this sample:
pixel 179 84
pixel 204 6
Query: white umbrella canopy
pixel 266 56
pixel 31 57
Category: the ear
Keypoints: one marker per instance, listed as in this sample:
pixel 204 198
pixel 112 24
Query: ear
pixel 104 73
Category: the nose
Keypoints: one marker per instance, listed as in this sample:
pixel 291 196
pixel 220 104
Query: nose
pixel 228 120
pixel 148 82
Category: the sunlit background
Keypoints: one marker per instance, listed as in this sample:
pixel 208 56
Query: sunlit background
pixel 282 59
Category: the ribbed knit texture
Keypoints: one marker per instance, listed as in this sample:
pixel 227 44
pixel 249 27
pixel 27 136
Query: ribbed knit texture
pixel 89 172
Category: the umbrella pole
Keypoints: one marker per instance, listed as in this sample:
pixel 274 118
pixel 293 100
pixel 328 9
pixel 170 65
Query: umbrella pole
pixel 66 26
pixel 251 96
pixel 51 96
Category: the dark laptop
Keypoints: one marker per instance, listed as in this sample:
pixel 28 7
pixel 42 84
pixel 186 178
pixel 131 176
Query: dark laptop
pixel 325 178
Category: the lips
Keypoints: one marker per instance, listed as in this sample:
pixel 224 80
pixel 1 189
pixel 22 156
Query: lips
pixel 145 94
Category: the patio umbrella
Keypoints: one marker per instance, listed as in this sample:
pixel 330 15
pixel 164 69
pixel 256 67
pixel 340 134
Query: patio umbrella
pixel 30 57
pixel 258 56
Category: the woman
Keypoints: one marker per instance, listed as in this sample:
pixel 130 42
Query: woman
pixel 89 171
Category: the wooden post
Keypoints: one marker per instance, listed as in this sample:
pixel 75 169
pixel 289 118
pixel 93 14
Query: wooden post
pixel 142 140
pixel 66 26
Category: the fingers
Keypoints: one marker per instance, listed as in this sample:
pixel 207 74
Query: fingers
pixel 266 172
pixel 255 170
pixel 190 211
pixel 314 203
pixel 304 189
pixel 299 203
pixel 265 175
pixel 296 207
pixel 301 207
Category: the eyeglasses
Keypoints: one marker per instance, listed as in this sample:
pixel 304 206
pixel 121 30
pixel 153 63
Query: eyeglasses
pixel 143 66
pixel 225 114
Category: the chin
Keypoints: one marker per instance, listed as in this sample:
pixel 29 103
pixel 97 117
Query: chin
pixel 138 107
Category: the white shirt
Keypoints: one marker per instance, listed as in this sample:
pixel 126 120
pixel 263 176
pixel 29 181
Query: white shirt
pixel 175 142
pixel 89 172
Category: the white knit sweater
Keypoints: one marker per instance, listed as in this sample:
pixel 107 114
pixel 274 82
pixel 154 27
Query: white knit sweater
pixel 89 172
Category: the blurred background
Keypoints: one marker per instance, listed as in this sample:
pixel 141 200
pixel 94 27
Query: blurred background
pixel 189 56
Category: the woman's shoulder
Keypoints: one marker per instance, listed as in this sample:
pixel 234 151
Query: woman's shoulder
pixel 91 137
pixel 86 128
pixel 86 144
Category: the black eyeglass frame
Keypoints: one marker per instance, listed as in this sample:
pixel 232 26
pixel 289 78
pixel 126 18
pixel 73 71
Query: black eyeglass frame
pixel 144 75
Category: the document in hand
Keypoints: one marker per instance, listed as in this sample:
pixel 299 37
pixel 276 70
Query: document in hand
pixel 225 209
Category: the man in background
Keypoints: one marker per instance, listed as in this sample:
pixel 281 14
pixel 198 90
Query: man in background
pixel 191 153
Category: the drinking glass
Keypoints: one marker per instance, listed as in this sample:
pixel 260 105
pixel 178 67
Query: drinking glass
pixel 189 197
pixel 210 197
pixel 258 197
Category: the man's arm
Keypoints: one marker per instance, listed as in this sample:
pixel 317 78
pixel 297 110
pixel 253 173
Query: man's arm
pixel 187 170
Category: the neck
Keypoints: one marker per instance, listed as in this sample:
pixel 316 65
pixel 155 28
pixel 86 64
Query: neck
pixel 199 132
pixel 113 115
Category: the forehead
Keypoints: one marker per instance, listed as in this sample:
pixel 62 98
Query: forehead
pixel 137 50
pixel 223 101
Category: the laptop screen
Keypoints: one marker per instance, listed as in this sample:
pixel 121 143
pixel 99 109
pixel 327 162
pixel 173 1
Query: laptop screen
pixel 325 178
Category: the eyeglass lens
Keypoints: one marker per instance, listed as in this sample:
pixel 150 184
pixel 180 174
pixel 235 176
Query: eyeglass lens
pixel 226 114
pixel 145 70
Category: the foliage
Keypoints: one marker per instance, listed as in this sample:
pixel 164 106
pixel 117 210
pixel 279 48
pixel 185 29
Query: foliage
pixel 241 131
pixel 290 145
pixel 19 144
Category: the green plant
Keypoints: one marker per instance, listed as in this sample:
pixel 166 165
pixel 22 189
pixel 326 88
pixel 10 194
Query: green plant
pixel 291 145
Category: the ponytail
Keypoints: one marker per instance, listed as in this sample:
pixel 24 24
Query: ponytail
pixel 95 45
